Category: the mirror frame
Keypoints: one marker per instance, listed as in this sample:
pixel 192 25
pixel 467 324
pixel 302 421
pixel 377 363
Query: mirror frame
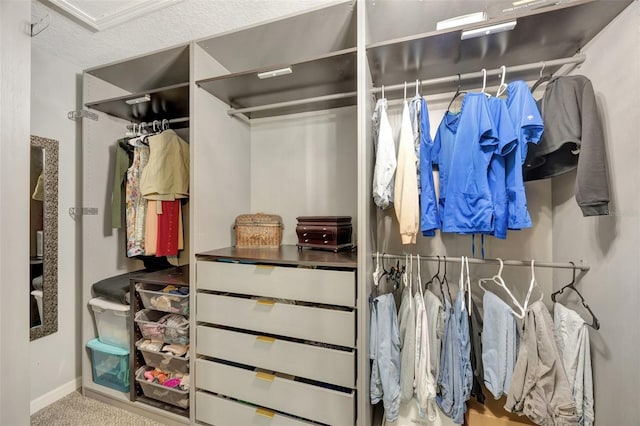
pixel 49 322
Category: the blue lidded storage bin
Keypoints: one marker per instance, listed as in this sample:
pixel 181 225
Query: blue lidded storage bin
pixel 110 365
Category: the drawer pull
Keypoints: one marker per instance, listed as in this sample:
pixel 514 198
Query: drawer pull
pixel 266 302
pixel 268 267
pixel 265 376
pixel 265 413
pixel 266 339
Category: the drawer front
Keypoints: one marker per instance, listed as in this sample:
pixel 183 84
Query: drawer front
pixel 267 316
pixel 309 285
pixel 309 361
pixel 300 399
pixel 219 411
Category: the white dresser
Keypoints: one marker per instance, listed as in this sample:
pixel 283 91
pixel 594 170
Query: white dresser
pixel 276 337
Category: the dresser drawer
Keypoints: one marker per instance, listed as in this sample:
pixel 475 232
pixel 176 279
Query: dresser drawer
pixel 300 399
pixel 302 360
pixel 220 411
pixel 267 316
pixel 309 285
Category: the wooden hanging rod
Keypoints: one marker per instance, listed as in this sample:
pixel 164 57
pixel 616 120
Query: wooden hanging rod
pixel 450 259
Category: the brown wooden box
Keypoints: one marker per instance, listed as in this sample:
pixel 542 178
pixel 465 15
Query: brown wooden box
pixel 324 232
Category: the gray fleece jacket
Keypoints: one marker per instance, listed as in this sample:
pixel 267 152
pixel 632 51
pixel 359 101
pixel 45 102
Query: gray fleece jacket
pixel 573 137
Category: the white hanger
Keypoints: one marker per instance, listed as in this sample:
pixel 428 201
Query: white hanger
pixel 484 79
pixel 405 90
pixel 503 86
pixel 419 277
pixel 461 282
pixel 497 279
pixel 531 285
pixel 377 273
pixel 405 275
pixel 468 287
pixel 542 69
pixel 383 91
pixel 417 84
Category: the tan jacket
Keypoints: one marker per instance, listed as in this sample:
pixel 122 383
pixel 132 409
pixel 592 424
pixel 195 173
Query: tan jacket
pixel 166 176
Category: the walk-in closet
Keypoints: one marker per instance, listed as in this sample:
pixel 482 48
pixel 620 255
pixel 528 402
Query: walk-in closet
pixel 341 110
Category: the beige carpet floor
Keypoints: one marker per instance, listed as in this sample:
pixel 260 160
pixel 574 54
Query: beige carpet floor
pixel 77 410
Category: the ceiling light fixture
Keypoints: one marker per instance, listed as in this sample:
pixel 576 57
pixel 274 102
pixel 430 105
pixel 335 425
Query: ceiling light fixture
pixel 492 29
pixel 141 99
pixel 274 73
pixel 460 21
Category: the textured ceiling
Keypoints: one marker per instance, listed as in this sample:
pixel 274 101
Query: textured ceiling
pixel 183 22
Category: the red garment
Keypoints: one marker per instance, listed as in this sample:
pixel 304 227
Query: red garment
pixel 168 226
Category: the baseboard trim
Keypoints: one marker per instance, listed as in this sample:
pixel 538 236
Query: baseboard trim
pixel 54 395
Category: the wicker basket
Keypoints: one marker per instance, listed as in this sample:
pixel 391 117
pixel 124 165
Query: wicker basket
pixel 258 230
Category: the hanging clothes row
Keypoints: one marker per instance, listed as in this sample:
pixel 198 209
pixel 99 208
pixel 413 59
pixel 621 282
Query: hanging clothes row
pixel 480 153
pixel 435 352
pixel 152 169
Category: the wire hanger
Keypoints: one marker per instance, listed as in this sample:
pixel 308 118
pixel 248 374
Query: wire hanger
pixel 503 86
pixel 595 324
pixel 542 79
pixel 458 93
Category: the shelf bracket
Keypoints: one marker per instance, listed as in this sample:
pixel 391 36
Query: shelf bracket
pixel 82 113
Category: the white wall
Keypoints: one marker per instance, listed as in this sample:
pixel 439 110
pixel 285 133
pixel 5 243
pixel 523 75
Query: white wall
pixel 610 244
pixel 305 165
pixel 54 92
pixel 15 50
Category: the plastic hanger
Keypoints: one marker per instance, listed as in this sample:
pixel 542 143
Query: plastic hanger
pixel 417 87
pixel 405 91
pixel 595 324
pixel 462 284
pixel 383 91
pixel 436 276
pixel 445 282
pixel 497 279
pixel 542 79
pixel 503 86
pixel 458 93
pixel 532 284
pixel 484 82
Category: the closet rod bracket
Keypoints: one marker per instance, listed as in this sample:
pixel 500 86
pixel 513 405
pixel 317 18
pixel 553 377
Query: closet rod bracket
pixel 74 212
pixel 82 113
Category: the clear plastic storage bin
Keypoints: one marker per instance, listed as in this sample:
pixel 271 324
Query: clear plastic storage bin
pixel 157 325
pixel 171 396
pixel 112 322
pixel 163 360
pixel 110 365
pixel 154 298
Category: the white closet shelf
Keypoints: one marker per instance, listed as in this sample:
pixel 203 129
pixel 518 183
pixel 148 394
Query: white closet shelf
pixel 167 67
pixel 165 102
pixel 330 74
pixel 540 34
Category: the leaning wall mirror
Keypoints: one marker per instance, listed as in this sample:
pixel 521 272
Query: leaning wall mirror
pixel 43 230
